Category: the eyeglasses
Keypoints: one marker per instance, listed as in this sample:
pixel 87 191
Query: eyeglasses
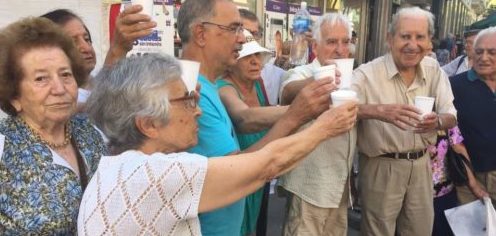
pixel 257 35
pixel 236 28
pixel 190 100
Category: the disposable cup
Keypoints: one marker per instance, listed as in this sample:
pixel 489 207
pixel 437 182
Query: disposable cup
pixel 424 104
pixel 190 70
pixel 147 6
pixel 322 72
pixel 342 96
pixel 345 67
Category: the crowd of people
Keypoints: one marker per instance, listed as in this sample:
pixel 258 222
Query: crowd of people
pixel 131 151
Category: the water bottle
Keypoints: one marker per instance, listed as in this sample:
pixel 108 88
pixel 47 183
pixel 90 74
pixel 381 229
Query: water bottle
pixel 299 48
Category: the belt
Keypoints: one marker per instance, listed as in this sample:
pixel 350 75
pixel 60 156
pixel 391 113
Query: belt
pixel 405 155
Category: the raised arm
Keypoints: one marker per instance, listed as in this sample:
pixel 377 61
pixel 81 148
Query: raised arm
pixel 310 103
pixel 130 25
pixel 249 119
pixel 244 173
pixel 290 91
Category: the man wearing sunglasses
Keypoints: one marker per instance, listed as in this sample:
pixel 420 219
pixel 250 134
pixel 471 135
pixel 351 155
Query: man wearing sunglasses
pixel 211 33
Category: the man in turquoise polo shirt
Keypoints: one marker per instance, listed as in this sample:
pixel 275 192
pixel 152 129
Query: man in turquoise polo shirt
pixel 211 33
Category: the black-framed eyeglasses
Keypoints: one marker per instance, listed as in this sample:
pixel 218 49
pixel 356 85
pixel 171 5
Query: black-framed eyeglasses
pixel 190 100
pixel 236 28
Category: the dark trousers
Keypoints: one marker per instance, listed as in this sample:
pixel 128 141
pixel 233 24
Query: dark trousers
pixel 441 226
pixel 264 208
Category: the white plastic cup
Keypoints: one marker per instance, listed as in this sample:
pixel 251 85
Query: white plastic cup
pixel 424 104
pixel 342 96
pixel 345 66
pixel 328 71
pixel 190 70
pixel 147 6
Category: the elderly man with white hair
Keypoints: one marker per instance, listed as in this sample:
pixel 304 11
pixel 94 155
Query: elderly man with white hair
pixel 318 189
pixel 212 34
pixel 475 100
pixel 395 178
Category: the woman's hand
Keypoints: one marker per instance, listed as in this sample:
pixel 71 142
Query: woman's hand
pixel 339 120
pixel 476 188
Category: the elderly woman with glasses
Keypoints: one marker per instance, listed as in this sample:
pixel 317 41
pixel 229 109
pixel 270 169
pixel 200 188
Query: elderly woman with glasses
pixel 47 155
pixel 151 185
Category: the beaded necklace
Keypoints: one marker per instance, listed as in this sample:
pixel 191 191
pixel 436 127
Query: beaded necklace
pixel 48 143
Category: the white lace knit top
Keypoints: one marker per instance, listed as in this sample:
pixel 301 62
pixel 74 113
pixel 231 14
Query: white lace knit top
pixel 139 194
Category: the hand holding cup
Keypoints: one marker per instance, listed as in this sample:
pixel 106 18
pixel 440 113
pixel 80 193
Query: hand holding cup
pixel 325 72
pixel 424 104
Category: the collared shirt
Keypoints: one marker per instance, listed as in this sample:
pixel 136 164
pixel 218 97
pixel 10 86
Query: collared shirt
pixel 456 66
pixel 476 105
pixel 321 178
pixel 379 82
pixel 472 76
pixel 2 114
pixel 39 193
pixel 271 76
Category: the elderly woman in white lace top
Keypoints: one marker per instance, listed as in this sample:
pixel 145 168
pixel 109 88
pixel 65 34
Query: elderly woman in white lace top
pixel 150 186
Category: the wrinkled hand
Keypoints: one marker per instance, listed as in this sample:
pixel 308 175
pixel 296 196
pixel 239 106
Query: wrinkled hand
pixel 130 26
pixel 428 123
pixel 338 120
pixel 401 115
pixel 311 101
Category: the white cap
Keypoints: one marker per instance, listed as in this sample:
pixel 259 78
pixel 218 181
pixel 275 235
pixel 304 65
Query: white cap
pixel 251 46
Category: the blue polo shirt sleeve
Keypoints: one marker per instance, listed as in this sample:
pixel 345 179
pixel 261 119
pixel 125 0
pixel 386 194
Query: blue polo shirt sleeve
pixel 216 136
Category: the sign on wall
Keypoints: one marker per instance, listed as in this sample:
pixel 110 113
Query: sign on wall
pixel 161 40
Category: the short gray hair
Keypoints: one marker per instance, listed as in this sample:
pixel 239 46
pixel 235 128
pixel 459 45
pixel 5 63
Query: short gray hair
pixel 412 11
pixel 485 33
pixel 332 19
pixel 192 12
pixel 130 89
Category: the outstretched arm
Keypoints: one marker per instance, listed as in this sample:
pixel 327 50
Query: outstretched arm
pixel 310 103
pixel 242 174
pixel 249 119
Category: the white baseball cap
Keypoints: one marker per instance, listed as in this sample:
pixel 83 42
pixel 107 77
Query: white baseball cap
pixel 251 46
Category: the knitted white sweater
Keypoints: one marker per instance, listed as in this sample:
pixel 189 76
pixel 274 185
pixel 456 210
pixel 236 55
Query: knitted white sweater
pixel 138 194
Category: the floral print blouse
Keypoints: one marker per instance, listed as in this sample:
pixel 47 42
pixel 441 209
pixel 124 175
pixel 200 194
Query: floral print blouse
pixel 442 184
pixel 37 196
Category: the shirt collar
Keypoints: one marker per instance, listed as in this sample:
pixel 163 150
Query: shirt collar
pixel 472 75
pixel 316 62
pixel 392 70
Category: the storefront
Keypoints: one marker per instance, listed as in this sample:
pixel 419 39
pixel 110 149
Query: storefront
pixel 278 18
pixel 357 13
